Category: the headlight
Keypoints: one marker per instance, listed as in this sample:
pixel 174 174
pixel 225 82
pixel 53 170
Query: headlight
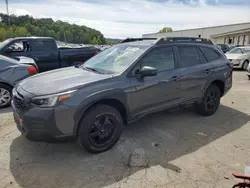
pixel 52 100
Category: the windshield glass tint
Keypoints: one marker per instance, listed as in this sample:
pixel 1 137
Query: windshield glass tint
pixel 235 51
pixel 115 59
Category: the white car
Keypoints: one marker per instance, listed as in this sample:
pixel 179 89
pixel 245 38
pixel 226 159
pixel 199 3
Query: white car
pixel 239 56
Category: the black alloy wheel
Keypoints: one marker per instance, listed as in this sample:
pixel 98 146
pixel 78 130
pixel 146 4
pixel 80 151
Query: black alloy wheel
pixel 100 128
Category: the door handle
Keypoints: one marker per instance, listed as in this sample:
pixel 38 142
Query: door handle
pixel 207 71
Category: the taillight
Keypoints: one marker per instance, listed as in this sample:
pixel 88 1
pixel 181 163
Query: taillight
pixel 96 52
pixel 32 70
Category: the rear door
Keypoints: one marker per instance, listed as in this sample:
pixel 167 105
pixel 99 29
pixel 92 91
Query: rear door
pixel 216 64
pixel 45 54
pixel 193 74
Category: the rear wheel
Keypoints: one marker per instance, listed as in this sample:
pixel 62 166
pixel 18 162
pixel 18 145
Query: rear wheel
pixel 210 102
pixel 245 65
pixel 5 95
pixel 100 128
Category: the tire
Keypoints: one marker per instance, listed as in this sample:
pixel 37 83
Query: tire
pixel 210 101
pixel 245 65
pixel 100 128
pixel 5 91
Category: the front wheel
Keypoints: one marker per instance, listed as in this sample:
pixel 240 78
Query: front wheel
pixel 100 128
pixel 5 95
pixel 245 65
pixel 210 102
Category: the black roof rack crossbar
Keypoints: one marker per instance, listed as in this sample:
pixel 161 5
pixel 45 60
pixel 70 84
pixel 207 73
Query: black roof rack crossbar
pixel 168 40
pixel 136 39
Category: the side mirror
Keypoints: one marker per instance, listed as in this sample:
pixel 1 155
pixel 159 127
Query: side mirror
pixel 147 71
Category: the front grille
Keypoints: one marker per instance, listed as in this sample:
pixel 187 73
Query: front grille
pixel 19 102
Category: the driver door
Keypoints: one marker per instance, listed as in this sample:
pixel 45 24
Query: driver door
pixel 154 93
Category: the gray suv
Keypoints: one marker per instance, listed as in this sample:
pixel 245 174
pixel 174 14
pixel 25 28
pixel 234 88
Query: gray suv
pixel 120 85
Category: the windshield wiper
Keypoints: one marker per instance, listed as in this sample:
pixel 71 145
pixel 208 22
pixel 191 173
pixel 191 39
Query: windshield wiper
pixel 92 69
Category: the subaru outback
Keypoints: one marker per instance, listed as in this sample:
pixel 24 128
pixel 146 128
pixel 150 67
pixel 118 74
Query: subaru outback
pixel 93 101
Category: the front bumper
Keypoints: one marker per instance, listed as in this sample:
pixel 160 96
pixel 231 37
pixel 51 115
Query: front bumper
pixel 236 64
pixel 41 124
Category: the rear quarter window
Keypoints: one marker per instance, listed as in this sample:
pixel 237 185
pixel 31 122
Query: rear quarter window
pixel 210 54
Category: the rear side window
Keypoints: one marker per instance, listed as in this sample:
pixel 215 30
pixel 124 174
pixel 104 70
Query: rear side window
pixel 45 45
pixel 210 54
pixel 37 46
pixel 188 56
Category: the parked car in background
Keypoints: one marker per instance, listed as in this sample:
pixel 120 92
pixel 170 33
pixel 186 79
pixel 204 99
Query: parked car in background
pixel 11 72
pixel 248 71
pixel 125 82
pixel 224 47
pixel 231 46
pixel 239 56
pixel 45 52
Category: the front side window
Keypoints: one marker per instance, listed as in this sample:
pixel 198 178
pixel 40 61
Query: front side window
pixel 115 59
pixel 188 56
pixel 245 50
pixel 161 58
pixel 19 46
pixel 210 54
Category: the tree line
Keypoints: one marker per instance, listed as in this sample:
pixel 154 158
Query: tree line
pixel 24 26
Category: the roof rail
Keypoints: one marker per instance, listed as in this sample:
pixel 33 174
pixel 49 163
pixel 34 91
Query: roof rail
pixel 136 39
pixel 168 40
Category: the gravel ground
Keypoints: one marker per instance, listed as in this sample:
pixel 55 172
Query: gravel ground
pixel 183 150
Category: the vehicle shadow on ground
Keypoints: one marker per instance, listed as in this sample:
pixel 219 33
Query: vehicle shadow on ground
pixel 164 136
pixel 5 110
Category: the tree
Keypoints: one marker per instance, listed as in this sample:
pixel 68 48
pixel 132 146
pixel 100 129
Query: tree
pixel 166 29
pixel 20 26
pixel 2 34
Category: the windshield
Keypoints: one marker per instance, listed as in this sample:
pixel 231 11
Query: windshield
pixel 2 44
pixel 235 51
pixel 115 59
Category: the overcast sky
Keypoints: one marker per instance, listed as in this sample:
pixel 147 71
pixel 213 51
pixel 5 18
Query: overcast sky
pixel 132 18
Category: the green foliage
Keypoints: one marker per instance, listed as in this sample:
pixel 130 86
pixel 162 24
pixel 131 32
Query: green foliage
pixel 166 29
pixel 22 26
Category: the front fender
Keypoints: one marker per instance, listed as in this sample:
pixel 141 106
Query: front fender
pixel 115 94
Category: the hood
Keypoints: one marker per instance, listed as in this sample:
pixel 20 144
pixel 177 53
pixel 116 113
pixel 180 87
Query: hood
pixel 234 56
pixel 60 80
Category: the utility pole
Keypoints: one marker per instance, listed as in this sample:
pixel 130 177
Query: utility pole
pixel 7 11
pixel 7 7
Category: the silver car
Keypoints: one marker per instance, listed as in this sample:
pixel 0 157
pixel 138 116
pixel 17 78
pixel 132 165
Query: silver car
pixel 11 72
pixel 239 56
